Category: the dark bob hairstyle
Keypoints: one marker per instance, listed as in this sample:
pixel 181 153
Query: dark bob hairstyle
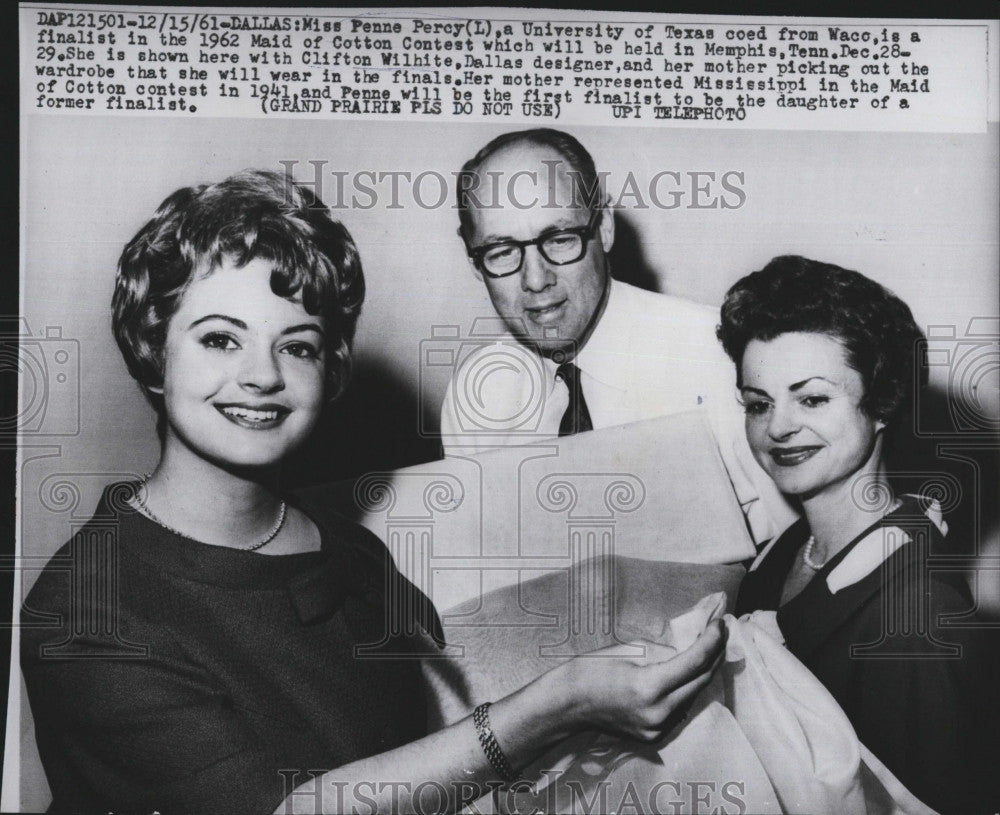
pixel 793 294
pixel 255 214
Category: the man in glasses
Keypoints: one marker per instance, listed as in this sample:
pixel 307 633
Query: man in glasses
pixel 589 351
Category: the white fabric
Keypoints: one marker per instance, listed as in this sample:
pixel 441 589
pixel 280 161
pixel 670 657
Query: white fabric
pixel 650 355
pixel 705 764
pixel 802 737
pixel 768 738
pixel 800 734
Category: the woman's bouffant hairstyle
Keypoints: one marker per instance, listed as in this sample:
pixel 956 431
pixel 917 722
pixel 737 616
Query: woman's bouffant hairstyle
pixel 880 338
pixel 255 214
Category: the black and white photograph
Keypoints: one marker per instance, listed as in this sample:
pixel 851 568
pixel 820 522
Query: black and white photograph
pixel 504 410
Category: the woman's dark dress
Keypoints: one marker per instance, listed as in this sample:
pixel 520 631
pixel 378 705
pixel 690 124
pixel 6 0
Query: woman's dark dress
pixel 170 675
pixel 914 672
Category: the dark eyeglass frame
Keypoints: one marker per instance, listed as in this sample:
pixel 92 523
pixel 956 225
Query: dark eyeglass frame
pixel 585 233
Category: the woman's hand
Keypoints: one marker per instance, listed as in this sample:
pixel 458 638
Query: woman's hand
pixel 634 696
pixel 638 696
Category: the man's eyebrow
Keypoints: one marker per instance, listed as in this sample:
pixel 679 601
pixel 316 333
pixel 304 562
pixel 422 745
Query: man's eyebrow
pixel 558 225
pixel 495 238
pixel 226 317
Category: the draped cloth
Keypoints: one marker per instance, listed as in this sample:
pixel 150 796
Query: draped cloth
pixel 764 736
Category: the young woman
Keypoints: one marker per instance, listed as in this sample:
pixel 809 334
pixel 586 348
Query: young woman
pixel 827 366
pixel 223 647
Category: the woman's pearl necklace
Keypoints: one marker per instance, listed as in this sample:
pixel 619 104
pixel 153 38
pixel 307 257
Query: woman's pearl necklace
pixel 140 504
pixel 811 543
pixel 807 555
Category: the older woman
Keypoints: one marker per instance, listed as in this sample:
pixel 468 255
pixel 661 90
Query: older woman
pixel 220 646
pixel 827 365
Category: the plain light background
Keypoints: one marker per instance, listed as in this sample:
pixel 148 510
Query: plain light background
pixel 916 212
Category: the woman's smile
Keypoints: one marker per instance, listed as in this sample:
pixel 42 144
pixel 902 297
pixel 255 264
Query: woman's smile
pixel 804 420
pixel 793 456
pixel 245 369
pixel 260 417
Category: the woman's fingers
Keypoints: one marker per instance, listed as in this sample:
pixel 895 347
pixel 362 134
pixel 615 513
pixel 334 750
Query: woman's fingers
pixel 638 695
pixel 682 677
pixel 682 696
pixel 699 659
pixel 651 652
pixel 680 680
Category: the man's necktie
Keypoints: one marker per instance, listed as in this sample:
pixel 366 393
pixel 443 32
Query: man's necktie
pixel 576 419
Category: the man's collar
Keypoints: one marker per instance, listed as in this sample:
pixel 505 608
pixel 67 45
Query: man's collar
pixel 606 350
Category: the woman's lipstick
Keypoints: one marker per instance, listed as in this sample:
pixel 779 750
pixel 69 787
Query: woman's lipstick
pixel 793 456
pixel 254 417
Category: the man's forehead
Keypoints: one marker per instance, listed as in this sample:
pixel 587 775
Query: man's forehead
pixel 523 220
pixel 527 188
pixel 526 160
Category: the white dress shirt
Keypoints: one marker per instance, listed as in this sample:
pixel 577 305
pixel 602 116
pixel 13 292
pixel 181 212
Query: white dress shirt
pixel 649 355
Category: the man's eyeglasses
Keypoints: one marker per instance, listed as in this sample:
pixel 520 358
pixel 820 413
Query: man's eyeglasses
pixel 558 247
